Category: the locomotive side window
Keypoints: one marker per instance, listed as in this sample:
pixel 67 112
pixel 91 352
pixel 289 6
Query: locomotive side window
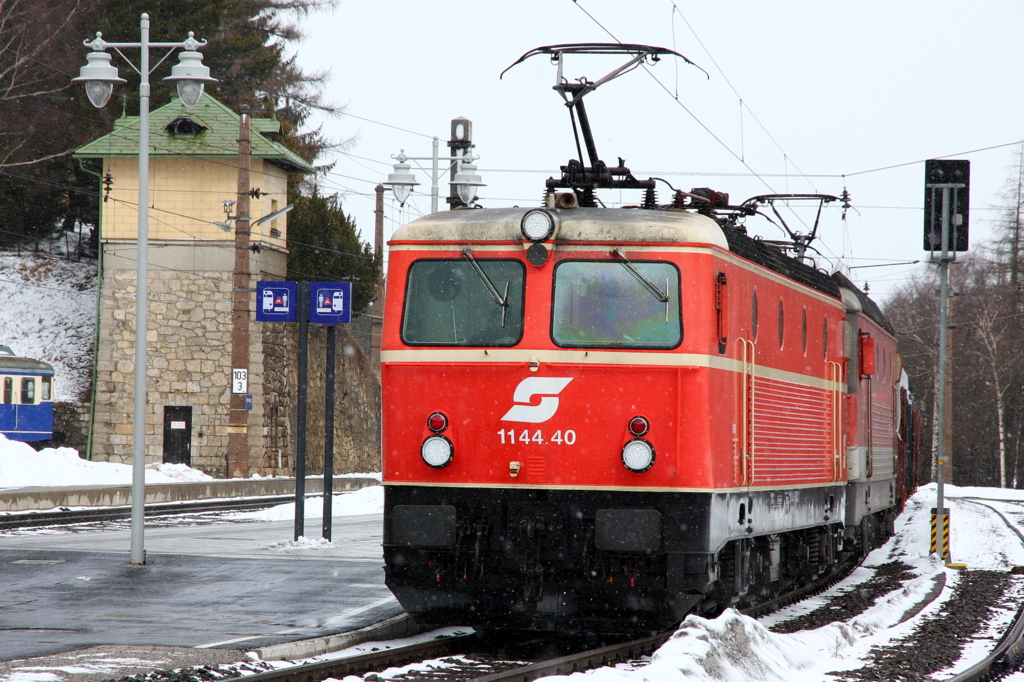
pixel 28 391
pixel 633 304
pixel 47 390
pixel 803 329
pixel 753 316
pixel 463 302
pixel 782 324
pixel 8 390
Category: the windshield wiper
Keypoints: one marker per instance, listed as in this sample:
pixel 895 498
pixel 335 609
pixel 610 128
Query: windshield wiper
pixel 498 298
pixel 648 284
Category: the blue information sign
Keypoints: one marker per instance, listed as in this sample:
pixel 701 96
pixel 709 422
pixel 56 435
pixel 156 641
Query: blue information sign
pixel 330 302
pixel 276 302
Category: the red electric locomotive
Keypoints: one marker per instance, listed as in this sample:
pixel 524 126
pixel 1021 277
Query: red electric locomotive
pixel 607 418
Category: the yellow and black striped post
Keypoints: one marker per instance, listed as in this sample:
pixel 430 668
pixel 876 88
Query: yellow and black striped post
pixel 945 554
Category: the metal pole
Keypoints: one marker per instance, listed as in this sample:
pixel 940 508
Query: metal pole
pixel 332 345
pixel 940 408
pixel 376 326
pixel 138 552
pixel 300 444
pixel 433 180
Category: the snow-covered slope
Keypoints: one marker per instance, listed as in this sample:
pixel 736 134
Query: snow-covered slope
pixel 48 313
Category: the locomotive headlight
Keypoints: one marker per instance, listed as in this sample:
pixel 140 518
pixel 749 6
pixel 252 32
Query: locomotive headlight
pixel 537 225
pixel 437 451
pixel 638 455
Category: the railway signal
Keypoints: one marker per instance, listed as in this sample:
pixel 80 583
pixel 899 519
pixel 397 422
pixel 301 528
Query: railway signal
pixel 946 203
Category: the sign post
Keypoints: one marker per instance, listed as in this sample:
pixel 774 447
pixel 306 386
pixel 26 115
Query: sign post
pixel 330 303
pixel 947 193
pixel 326 303
pixel 300 436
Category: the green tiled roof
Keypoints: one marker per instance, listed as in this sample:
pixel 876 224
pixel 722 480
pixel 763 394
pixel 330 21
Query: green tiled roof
pixel 220 137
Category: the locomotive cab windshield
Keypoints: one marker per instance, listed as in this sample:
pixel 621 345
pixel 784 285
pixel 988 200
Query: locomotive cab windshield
pixel 464 302
pixel 604 304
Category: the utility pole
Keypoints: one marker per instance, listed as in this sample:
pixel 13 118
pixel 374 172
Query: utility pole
pixel 238 422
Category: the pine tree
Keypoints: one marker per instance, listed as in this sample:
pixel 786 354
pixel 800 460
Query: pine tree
pixel 324 246
pixel 44 117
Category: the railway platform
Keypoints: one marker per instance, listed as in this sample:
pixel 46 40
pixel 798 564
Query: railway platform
pixel 49 497
pixel 211 585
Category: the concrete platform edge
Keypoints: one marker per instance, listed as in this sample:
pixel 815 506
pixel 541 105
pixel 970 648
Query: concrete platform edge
pixel 37 498
pixel 392 628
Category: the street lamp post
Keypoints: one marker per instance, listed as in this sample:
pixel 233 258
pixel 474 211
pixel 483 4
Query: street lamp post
pixel 99 77
pixel 465 180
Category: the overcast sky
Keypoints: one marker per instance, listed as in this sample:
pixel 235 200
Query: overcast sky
pixel 828 89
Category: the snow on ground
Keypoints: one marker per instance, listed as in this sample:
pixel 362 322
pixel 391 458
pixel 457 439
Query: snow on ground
pixel 732 647
pixel 22 467
pixel 302 543
pixel 736 648
pixel 49 314
pixel 368 500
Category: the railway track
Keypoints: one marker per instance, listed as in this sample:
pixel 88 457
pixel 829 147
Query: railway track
pixel 65 517
pixel 1009 653
pixel 526 672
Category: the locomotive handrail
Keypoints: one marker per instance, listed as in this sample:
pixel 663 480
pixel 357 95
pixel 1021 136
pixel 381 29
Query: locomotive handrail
pixel 747 357
pixel 836 403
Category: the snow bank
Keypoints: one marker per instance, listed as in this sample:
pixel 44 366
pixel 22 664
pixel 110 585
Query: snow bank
pixel 302 543
pixel 23 467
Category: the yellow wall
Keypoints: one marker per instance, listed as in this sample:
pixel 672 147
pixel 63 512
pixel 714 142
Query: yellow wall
pixel 186 195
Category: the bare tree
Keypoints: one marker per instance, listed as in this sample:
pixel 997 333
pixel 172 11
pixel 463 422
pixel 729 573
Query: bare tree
pixel 37 40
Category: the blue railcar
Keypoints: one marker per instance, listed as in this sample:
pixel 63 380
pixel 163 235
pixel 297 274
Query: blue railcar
pixel 26 397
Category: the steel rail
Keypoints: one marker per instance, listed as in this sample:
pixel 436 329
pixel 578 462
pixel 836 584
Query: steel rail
pixel 1007 655
pixel 94 514
pixel 593 658
pixel 356 665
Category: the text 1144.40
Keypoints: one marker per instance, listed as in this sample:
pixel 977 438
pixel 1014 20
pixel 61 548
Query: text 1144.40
pixel 510 437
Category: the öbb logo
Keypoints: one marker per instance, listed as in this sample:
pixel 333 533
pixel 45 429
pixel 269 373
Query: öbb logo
pixel 548 388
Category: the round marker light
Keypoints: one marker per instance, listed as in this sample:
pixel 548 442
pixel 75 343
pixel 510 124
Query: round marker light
pixel 437 451
pixel 537 225
pixel 638 455
pixel 437 422
pixel 638 426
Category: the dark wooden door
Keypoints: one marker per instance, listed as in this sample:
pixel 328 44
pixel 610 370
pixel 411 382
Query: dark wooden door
pixel 178 435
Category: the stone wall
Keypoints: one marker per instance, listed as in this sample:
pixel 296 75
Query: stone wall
pixel 357 403
pixel 189 356
pixel 189 363
pixel 70 427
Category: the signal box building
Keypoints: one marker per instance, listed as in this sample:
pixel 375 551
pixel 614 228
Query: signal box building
pixel 193 170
